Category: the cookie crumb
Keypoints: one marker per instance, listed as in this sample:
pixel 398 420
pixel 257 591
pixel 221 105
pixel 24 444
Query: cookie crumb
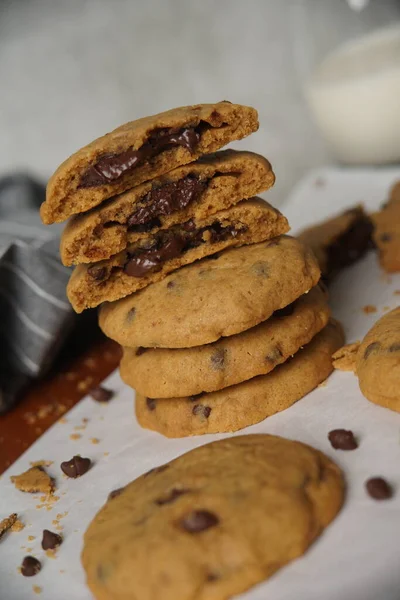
pixel 63 420
pixel 34 480
pixel 8 523
pixel 106 454
pixel 75 436
pixel 396 292
pixel 95 440
pixel 37 589
pixel 31 538
pixel 41 463
pixel 369 308
pixel 344 359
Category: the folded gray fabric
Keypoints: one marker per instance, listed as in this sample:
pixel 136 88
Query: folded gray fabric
pixel 35 313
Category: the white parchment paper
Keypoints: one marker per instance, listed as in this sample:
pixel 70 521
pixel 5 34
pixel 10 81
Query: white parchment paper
pixel 357 557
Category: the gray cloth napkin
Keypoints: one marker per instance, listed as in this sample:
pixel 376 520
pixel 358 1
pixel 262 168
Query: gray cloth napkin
pixel 35 313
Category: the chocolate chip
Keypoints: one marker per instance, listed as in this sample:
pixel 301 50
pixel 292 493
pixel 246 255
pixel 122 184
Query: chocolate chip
pixel 151 403
pixel 261 268
pixel 30 566
pixel 115 493
pixel 378 488
pixel 76 467
pixel 196 397
pixel 394 347
pixel 98 273
pixel 170 284
pixel 212 577
pixel 385 237
pixel 159 469
pixel 101 394
pixel 274 355
pixel 130 315
pixel 201 410
pixel 342 439
pixel 198 521
pixel 171 496
pixel 218 359
pixel 141 350
pixel 372 348
pixel 51 540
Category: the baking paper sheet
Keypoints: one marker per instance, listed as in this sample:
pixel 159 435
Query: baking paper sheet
pixel 356 558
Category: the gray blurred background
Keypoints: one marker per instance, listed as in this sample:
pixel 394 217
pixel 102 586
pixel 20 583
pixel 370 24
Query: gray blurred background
pixel 71 70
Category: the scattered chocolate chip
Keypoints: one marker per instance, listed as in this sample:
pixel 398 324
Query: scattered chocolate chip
pixel 170 284
pixel 151 403
pixel 218 359
pixel 130 315
pixel 201 410
pixel 51 540
pixel 342 439
pixel 394 347
pixel 101 394
pixel 159 469
pixel 171 496
pixel 198 521
pixel 98 273
pixel 378 488
pixel 196 397
pixel 76 467
pixel 385 237
pixel 115 493
pixel 140 350
pixel 30 566
pixel 374 347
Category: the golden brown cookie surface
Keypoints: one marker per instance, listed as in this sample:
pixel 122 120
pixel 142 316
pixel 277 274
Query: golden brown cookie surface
pixel 213 298
pixel 142 150
pixel 165 373
pixel 213 183
pixel 150 259
pixel 387 232
pixel 246 403
pixel 213 522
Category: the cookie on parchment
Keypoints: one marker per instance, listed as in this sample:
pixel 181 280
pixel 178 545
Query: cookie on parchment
pixel 142 150
pixel 340 241
pixel 378 362
pixel 212 183
pixel 156 255
pixel 213 522
pixel 387 232
pixel 246 403
pixel 168 373
pixel 213 298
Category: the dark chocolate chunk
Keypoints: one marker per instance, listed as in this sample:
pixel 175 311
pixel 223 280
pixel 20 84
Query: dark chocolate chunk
pixel 151 403
pixel 76 467
pixel 150 261
pixel 140 350
pixel 342 439
pixel 173 495
pixel 51 540
pixel 218 359
pixel 159 469
pixel 110 167
pixel 274 355
pixel 212 577
pixel 198 521
pixel 201 410
pixel 101 394
pixel 372 348
pixel 378 488
pixel 98 273
pixel 196 397
pixel 131 315
pixel 30 566
pixel 115 493
pixel 170 284
pixel 394 347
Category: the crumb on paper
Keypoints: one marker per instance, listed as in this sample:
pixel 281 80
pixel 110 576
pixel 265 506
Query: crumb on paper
pixel 369 308
pixel 85 420
pixel 344 359
pixel 106 453
pixel 62 570
pixel 396 292
pixel 95 440
pixel 63 420
pixel 47 502
pixel 34 480
pixel 75 436
pixel 51 553
pixel 17 526
pixel 31 538
pixel 80 427
pixel 8 523
pixel 37 589
pixel 28 550
pixel 323 384
pixel 85 384
pixel 41 463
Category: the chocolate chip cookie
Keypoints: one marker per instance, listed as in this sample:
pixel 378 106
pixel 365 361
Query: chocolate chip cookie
pixel 341 241
pixel 213 522
pixel 165 373
pixel 213 298
pixel 246 403
pixel 154 256
pixel 387 232
pixel 212 183
pixel 378 362
pixel 142 150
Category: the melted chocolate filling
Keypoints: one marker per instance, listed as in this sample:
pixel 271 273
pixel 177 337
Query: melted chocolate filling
pixel 171 244
pixel 110 167
pixel 165 200
pixel 350 246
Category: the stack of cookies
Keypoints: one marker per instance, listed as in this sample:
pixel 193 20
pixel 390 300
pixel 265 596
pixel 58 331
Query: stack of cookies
pixel 196 278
